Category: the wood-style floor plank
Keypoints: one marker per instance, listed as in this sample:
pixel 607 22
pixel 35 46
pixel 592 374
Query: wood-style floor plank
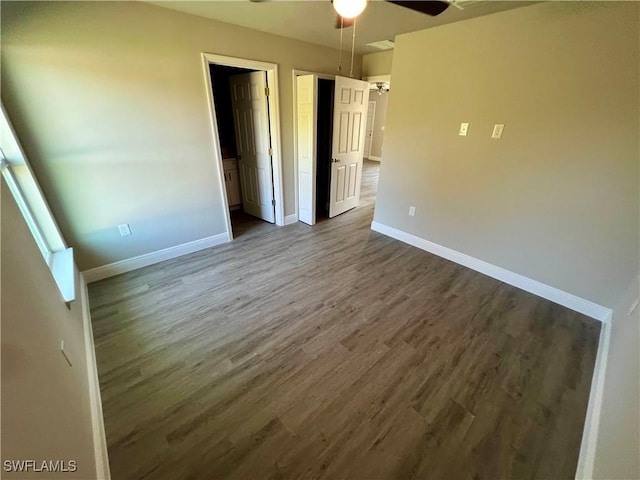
pixel 335 352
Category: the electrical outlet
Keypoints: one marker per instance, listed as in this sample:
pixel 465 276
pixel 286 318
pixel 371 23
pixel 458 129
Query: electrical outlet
pixel 497 130
pixel 412 211
pixel 464 128
pixel 124 230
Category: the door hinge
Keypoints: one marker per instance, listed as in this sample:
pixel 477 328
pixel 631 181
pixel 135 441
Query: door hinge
pixel 273 202
pixel 271 151
pixel 266 91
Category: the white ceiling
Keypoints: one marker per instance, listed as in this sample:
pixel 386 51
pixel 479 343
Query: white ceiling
pixel 313 21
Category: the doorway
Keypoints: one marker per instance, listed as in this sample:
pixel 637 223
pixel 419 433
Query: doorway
pixel 243 101
pixel 379 88
pixel 330 115
pixel 326 89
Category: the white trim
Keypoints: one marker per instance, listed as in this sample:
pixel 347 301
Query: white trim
pixel 325 76
pixel 296 203
pixel 123 266
pixel 25 209
pixel 63 270
pixel 375 159
pixel 276 143
pixel 10 145
pixel 59 262
pixel 289 219
pixel 216 145
pixel 540 289
pixel 587 457
pixel 97 421
pixel 274 121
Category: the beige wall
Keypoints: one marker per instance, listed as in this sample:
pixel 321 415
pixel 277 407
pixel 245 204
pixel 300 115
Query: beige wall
pixel 379 121
pixel 110 103
pixel 557 198
pixel 377 63
pixel 45 403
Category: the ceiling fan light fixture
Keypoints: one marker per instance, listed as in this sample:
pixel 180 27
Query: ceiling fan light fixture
pixel 382 87
pixel 349 8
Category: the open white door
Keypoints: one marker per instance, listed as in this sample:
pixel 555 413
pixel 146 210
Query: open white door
pixel 307 120
pixel 349 119
pixel 253 141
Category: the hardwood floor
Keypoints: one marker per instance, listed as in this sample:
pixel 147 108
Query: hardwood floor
pixel 335 352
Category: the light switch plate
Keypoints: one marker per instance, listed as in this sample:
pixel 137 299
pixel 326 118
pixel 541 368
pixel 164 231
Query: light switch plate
pixel 124 230
pixel 497 130
pixel 464 128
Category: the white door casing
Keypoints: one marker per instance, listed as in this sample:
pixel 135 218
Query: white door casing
pixel 253 141
pixel 349 123
pixel 371 118
pixel 307 121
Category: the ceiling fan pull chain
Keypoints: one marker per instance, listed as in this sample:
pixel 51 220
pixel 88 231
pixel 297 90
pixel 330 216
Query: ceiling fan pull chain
pixel 340 57
pixel 353 47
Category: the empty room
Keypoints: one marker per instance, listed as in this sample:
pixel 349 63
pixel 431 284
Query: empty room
pixel 340 239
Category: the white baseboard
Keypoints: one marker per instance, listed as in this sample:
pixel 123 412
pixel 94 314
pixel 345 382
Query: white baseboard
pixel 289 219
pixel 586 460
pixel 123 266
pixel 553 294
pixel 97 422
pixel 375 159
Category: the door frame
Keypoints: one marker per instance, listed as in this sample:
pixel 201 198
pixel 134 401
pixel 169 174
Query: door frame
pixel 373 124
pixel 374 79
pixel 294 74
pixel 274 123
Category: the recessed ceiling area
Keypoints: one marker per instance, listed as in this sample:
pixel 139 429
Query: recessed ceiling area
pixel 313 21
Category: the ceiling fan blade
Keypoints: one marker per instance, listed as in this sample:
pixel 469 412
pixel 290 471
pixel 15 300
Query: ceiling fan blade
pixel 433 8
pixel 347 22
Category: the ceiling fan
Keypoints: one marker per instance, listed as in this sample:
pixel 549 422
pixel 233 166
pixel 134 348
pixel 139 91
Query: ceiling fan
pixel 347 10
